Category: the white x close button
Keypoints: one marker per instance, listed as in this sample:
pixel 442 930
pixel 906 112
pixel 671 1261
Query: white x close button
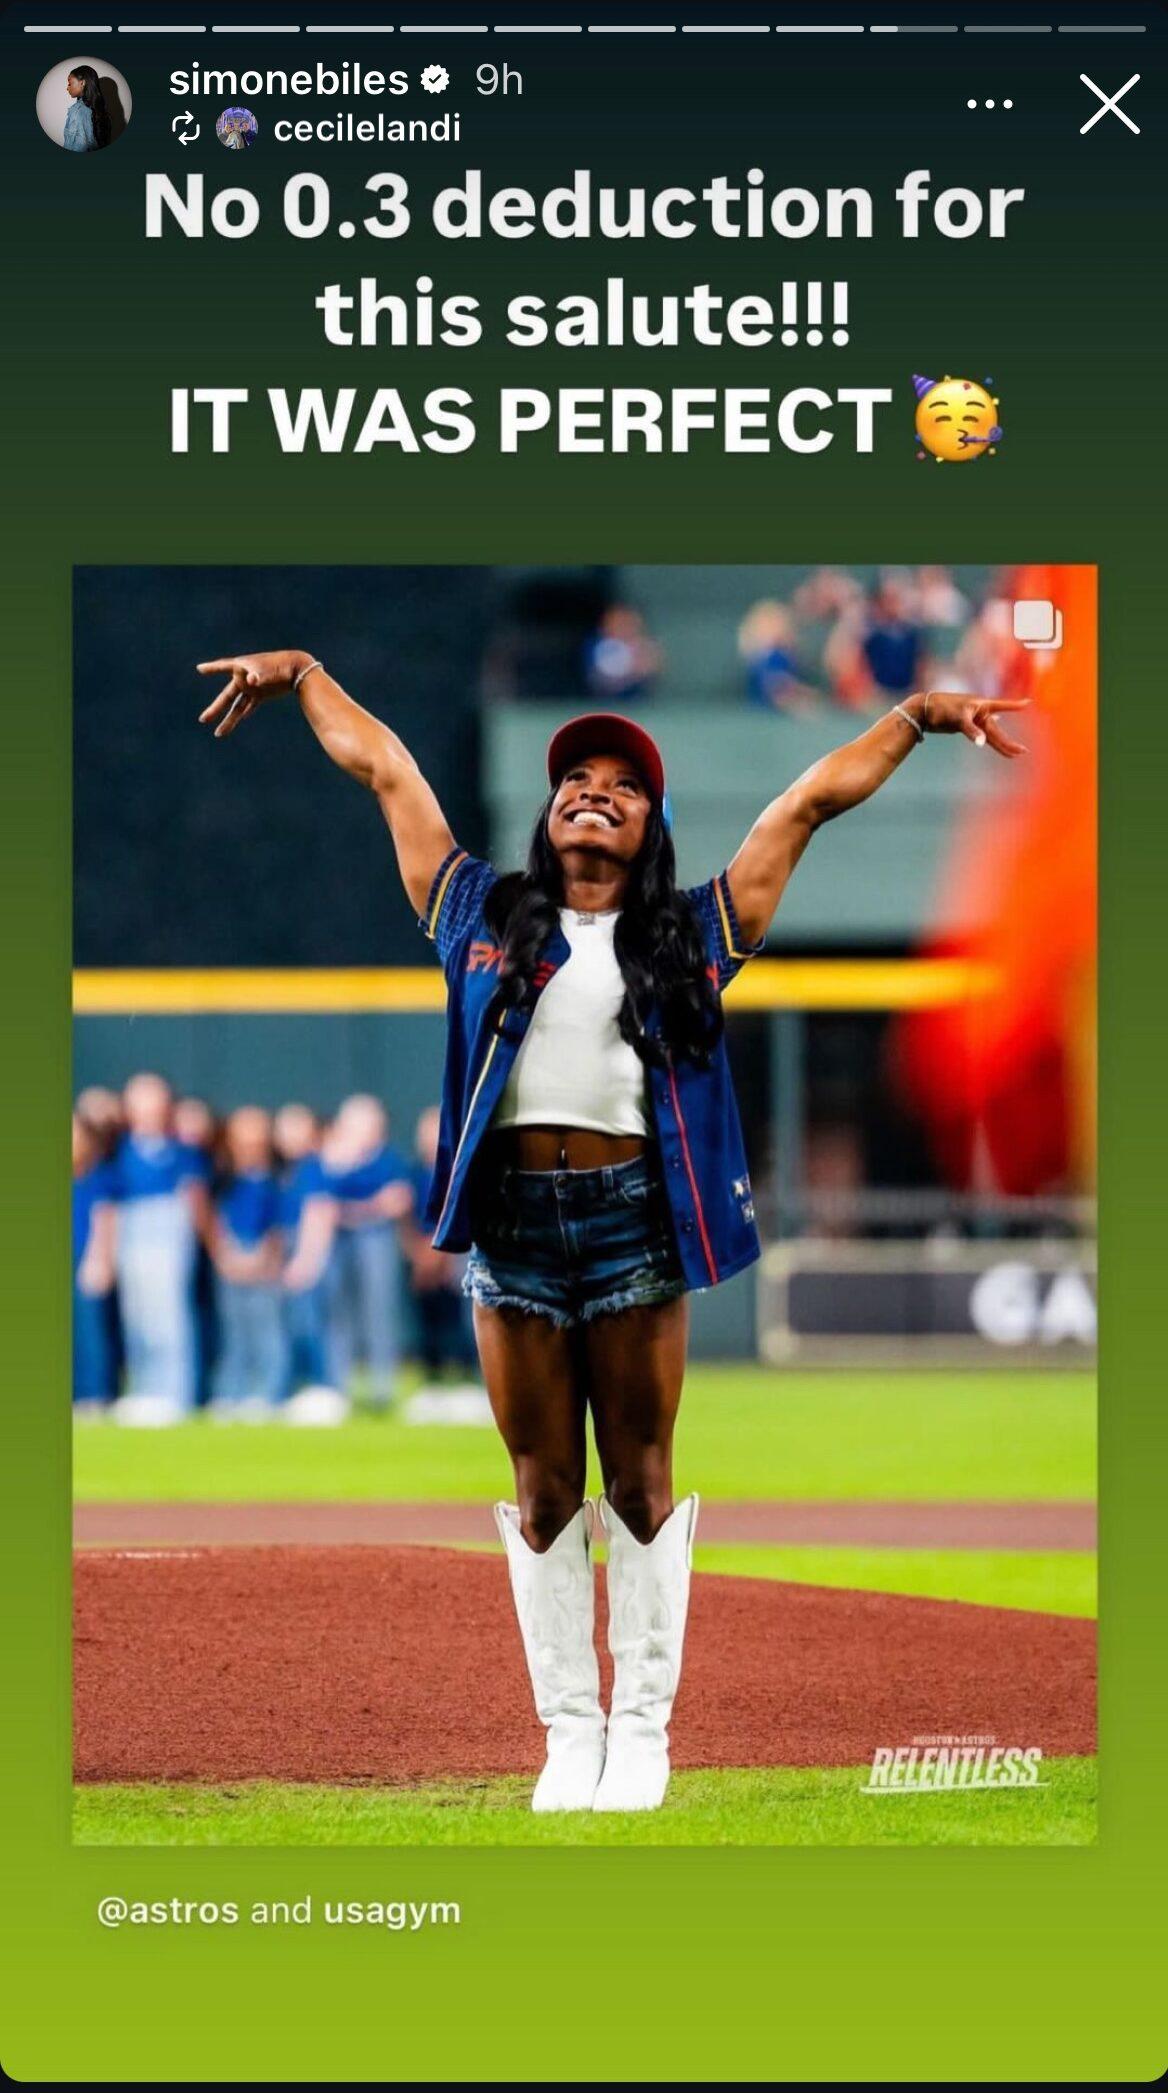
pixel 1109 104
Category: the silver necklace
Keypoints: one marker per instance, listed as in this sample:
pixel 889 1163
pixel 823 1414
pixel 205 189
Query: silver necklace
pixel 592 915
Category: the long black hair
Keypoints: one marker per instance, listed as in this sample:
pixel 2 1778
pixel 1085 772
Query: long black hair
pixel 658 944
pixel 95 102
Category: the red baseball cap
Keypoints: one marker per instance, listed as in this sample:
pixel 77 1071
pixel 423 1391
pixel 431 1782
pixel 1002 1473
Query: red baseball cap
pixel 605 733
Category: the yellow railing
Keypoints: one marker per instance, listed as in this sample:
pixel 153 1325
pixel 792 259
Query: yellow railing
pixel 767 984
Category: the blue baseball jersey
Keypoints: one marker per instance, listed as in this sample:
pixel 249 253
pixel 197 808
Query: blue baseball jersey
pixel 695 1114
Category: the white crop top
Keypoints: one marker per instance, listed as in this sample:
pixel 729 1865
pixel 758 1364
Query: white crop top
pixel 573 1068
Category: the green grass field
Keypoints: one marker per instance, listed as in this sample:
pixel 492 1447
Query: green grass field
pixel 1046 1583
pixel 756 1806
pixel 745 1432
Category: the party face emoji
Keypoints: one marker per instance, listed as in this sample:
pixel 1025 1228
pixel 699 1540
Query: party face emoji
pixel 956 419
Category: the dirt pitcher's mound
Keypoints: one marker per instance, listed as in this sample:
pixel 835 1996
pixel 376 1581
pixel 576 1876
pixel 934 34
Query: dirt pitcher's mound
pixel 404 1664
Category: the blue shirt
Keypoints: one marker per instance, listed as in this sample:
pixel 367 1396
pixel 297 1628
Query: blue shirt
pixel 94 1187
pixel 610 666
pixel 386 1166
pixel 79 136
pixel 421 1178
pixel 303 1181
pixel 768 675
pixel 249 1207
pixel 151 1166
pixel 695 1115
pixel 892 651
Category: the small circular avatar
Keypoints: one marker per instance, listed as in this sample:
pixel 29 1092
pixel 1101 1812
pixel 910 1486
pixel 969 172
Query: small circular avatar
pixel 237 129
pixel 957 419
pixel 84 104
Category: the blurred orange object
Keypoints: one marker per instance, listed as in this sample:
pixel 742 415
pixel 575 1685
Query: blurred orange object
pixel 1007 1083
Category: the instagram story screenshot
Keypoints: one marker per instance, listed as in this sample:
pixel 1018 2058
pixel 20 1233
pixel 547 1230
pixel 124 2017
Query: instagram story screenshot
pixel 582 1422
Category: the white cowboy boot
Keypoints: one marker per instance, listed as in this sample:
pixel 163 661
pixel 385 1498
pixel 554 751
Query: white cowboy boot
pixel 555 1601
pixel 648 1596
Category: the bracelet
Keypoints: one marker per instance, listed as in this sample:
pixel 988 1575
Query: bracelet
pixel 916 726
pixel 298 679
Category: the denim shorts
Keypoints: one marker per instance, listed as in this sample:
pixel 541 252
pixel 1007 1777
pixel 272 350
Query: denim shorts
pixel 574 1244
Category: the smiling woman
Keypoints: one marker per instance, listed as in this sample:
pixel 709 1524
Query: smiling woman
pixel 591 1159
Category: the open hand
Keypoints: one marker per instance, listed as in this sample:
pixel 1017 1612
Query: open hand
pixel 956 712
pixel 253 679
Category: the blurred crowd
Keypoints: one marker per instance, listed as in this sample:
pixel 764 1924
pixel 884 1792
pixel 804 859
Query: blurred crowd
pixel 865 647
pixel 260 1265
pixel 833 639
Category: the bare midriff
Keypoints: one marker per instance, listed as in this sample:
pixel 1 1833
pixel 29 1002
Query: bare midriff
pixel 562 1147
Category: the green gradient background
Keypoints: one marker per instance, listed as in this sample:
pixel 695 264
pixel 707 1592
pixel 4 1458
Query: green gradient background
pixel 832 1965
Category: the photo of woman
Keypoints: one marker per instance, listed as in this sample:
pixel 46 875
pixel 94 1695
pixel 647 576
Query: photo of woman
pixel 87 120
pixel 84 103
pixel 590 1156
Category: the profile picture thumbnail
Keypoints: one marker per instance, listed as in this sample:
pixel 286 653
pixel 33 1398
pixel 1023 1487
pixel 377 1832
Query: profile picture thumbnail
pixel 84 104
pixel 237 129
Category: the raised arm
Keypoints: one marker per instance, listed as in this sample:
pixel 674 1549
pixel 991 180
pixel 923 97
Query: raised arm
pixel 361 745
pixel 845 778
